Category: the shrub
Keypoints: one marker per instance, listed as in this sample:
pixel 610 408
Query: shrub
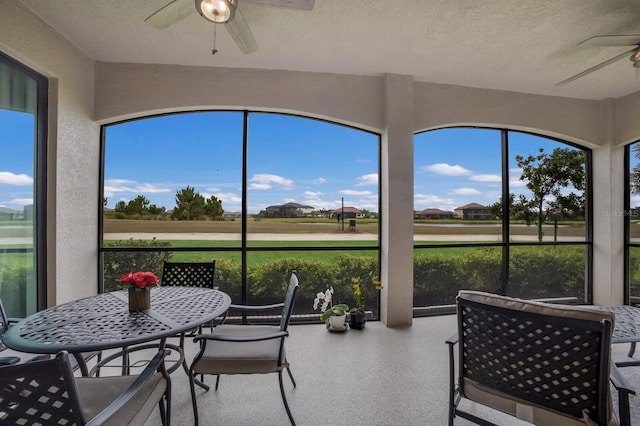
pixel 436 279
pixel 119 263
pixel 544 272
pixel 348 267
pixel 228 278
pixel 268 282
pixel 13 280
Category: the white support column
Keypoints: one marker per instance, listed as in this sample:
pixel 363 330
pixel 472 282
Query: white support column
pixel 608 216
pixel 397 202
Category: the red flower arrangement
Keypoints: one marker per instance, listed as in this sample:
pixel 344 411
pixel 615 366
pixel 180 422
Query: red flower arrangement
pixel 139 280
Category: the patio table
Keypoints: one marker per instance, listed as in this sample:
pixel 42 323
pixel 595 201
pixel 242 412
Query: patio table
pixel 104 321
pixel 626 330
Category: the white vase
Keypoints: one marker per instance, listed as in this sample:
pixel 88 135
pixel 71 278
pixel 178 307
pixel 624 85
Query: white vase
pixel 337 322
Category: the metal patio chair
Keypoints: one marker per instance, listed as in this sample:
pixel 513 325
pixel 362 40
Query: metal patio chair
pixel 246 349
pixel 188 274
pixel 46 392
pixel 542 363
pixel 12 357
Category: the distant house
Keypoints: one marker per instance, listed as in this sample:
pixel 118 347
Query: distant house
pixel 433 214
pixel 473 211
pixel 231 215
pixel 289 210
pixel 9 214
pixel 27 212
pixel 349 213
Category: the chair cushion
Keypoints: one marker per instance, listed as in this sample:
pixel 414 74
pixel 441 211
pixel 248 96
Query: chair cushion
pixel 241 357
pixel 507 403
pixel 97 393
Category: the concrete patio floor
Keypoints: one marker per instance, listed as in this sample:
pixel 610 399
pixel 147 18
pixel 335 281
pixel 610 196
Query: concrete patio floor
pixel 377 376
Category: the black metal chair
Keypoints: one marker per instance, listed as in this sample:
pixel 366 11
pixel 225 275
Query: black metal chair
pixel 542 363
pixel 12 359
pixel 188 274
pixel 46 392
pixel 246 349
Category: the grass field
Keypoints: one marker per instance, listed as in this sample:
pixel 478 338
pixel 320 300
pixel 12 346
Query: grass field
pixel 313 225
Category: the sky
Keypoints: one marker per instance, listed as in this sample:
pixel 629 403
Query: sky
pixel 290 159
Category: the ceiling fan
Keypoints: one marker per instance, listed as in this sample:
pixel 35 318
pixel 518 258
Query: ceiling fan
pixel 611 40
pixel 221 11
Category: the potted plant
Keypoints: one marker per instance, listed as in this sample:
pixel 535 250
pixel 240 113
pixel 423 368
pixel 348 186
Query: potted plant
pixel 357 315
pixel 334 316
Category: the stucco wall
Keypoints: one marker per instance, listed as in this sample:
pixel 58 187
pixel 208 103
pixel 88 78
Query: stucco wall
pixel 130 90
pixel 73 149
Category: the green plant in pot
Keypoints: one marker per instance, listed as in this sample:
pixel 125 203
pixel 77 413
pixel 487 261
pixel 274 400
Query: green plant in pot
pixel 333 316
pixel 358 314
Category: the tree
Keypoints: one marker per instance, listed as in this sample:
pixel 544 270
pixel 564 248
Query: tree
pixel 547 176
pixel 138 205
pixel 213 208
pixel 189 204
pixel 121 206
pixel 635 172
pixel 155 210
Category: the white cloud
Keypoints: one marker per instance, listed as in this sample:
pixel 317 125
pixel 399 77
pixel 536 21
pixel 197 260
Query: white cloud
pixel 259 186
pixel 116 181
pixel 446 169
pixel 516 182
pixel 9 178
pixel 320 180
pixel 370 179
pixel 486 178
pixel 312 194
pixel 113 186
pixel 264 181
pixel 423 201
pixel 22 201
pixel 354 192
pixel 149 188
pixel 466 191
pixel 228 197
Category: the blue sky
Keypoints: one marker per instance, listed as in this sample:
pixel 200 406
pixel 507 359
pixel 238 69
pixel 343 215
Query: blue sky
pixel 290 159
pixel 16 160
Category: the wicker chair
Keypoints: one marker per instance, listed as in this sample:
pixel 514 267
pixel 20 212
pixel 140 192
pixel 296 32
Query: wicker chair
pixel 46 392
pixel 246 349
pixel 545 364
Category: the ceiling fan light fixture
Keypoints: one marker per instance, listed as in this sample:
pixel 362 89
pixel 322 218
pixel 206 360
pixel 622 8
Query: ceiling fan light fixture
pixel 635 57
pixel 217 11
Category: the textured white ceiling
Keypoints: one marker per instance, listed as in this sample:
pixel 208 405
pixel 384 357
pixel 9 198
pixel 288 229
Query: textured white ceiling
pixel 517 45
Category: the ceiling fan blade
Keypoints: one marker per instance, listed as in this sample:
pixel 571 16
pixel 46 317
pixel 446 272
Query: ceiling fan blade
pixel 637 73
pixel 171 13
pixel 597 67
pixel 287 4
pixel 612 40
pixel 241 34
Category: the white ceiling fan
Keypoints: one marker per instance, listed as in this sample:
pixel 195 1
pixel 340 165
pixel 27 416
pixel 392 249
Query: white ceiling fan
pixel 611 40
pixel 221 11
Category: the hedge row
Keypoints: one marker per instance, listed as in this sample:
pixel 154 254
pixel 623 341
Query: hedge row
pixel 535 272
